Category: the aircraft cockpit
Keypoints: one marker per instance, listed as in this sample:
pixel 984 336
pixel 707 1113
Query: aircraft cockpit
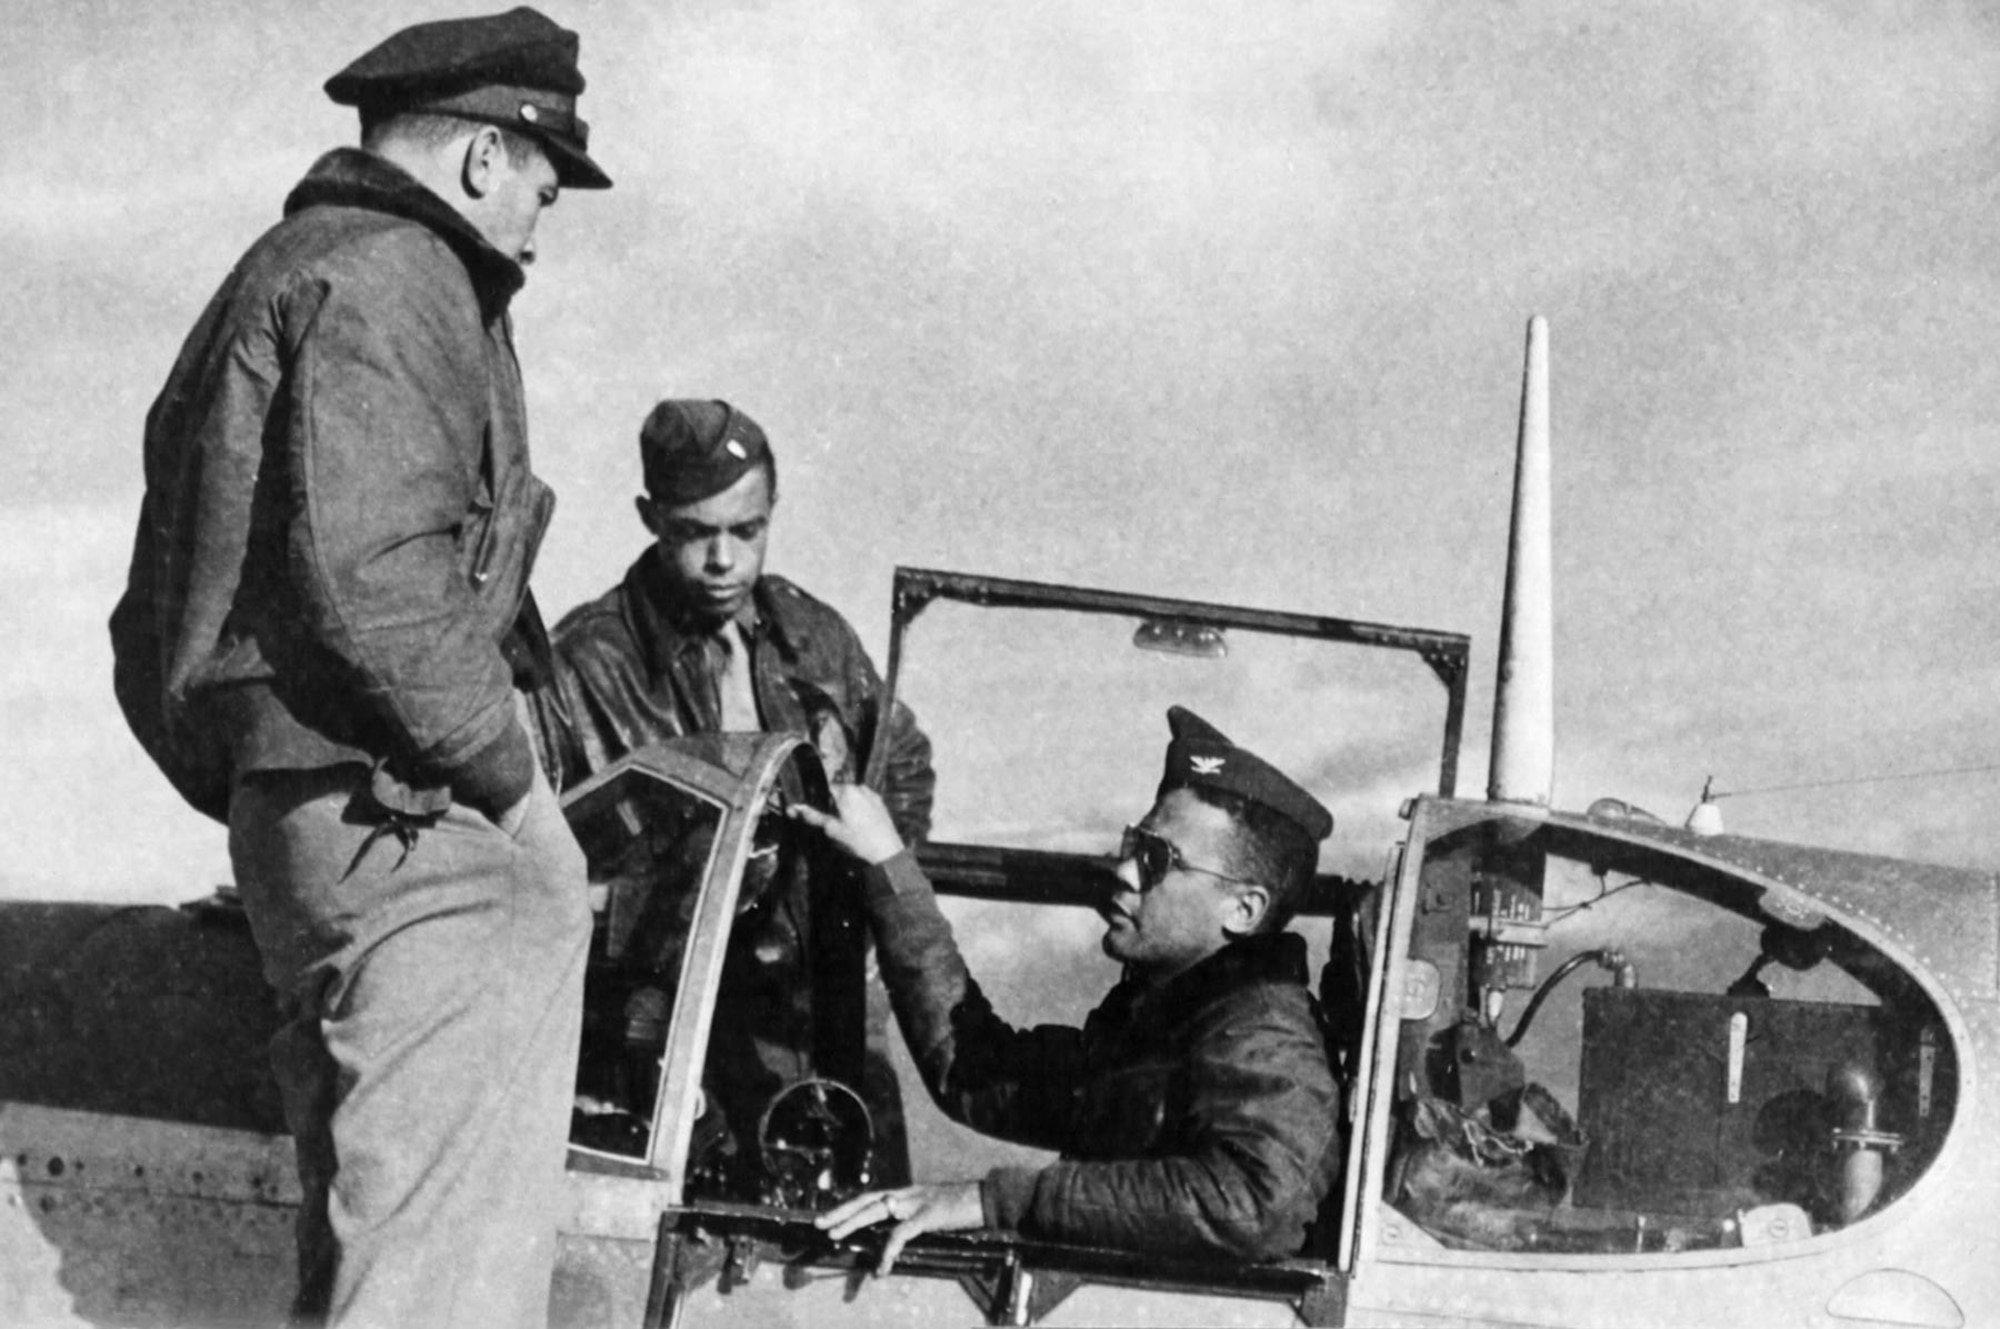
pixel 723 1048
pixel 1569 1042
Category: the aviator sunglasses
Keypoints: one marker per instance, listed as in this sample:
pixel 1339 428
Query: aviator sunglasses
pixel 1156 856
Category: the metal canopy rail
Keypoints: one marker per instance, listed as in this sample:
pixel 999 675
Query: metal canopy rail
pixel 1448 654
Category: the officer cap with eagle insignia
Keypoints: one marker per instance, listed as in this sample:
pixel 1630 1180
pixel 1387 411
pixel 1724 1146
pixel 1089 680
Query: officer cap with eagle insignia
pixel 1200 756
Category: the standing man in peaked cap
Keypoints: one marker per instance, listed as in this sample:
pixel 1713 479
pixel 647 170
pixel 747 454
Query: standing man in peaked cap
pixel 324 641
pixel 1195 1111
pixel 698 638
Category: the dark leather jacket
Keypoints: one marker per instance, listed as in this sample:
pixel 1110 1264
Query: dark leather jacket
pixel 332 555
pixel 629 674
pixel 1197 1119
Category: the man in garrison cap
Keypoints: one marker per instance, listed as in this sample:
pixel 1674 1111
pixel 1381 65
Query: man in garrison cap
pixel 1195 1111
pixel 698 638
pixel 324 642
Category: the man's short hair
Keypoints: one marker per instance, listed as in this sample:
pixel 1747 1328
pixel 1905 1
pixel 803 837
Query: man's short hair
pixel 431 130
pixel 1268 848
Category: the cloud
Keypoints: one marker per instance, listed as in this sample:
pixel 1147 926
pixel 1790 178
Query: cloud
pixel 945 114
pixel 1224 305
pixel 1853 87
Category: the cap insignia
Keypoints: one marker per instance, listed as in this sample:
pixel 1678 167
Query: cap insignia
pixel 1206 765
pixel 736 449
pixel 530 112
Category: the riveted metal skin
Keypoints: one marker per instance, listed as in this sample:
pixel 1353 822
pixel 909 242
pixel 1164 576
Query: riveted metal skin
pixel 1948 919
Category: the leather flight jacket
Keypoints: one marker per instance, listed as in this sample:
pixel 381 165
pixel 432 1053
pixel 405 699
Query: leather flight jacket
pixel 630 672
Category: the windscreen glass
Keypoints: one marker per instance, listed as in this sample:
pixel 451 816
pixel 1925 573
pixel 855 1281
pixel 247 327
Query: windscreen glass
pixel 649 844
pixel 1049 725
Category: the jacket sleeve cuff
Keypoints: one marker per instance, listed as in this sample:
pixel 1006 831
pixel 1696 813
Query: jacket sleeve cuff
pixel 1006 1194
pixel 497 776
pixel 893 877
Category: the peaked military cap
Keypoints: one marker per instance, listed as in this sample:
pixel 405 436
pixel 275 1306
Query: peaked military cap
pixel 516 70
pixel 691 450
pixel 1201 757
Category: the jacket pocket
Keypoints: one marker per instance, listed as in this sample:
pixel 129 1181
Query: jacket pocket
pixel 483 521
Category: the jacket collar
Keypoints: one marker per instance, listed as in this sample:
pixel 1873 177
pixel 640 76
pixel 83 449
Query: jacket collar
pixel 1266 957
pixel 665 634
pixel 354 178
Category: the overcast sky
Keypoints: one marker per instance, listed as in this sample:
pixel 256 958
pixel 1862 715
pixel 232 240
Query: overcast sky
pixel 1215 301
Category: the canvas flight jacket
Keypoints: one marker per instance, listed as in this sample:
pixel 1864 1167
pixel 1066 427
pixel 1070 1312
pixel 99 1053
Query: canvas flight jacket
pixel 332 554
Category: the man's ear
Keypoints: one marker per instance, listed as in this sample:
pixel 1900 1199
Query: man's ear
pixel 482 161
pixel 1247 908
pixel 648 514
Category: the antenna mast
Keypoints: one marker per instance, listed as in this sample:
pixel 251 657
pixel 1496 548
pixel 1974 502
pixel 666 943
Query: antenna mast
pixel 1524 725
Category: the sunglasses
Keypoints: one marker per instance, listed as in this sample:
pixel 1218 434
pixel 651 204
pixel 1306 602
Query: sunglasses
pixel 1156 856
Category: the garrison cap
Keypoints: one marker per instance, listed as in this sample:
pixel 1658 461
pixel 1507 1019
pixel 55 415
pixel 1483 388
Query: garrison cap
pixel 691 450
pixel 1201 757
pixel 516 70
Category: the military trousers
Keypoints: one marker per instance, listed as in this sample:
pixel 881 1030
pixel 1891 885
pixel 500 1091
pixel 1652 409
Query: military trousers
pixel 432 980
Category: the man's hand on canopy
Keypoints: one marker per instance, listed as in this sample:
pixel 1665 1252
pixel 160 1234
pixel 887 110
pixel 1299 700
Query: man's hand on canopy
pixel 860 824
pixel 940 1207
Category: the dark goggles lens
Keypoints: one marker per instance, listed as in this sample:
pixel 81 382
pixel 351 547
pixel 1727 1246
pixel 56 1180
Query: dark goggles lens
pixel 1155 856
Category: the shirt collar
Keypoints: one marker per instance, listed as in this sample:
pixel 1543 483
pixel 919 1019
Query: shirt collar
pixel 664 630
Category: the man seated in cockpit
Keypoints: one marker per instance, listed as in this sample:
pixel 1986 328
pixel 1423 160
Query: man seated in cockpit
pixel 1195 1110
